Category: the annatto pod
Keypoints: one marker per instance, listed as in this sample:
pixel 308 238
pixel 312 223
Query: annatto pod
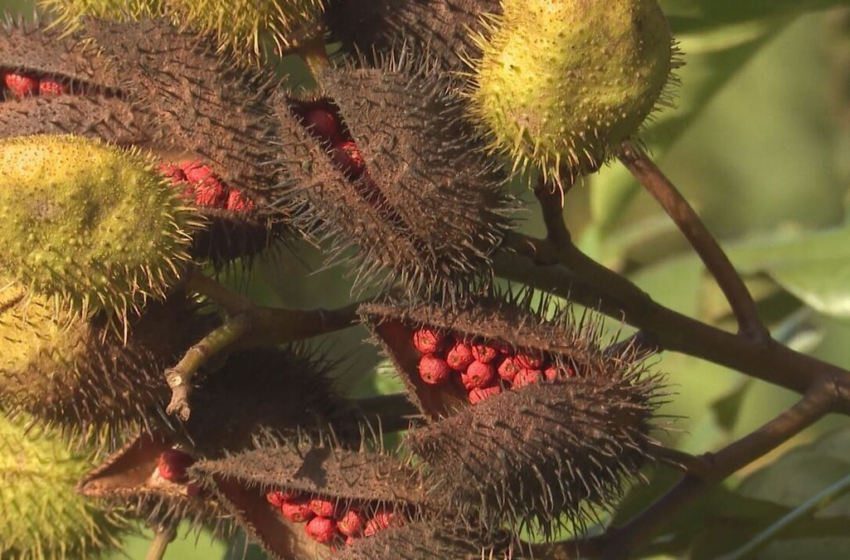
pixel 561 83
pixel 61 88
pixel 300 497
pixel 80 375
pixel 42 517
pixel 202 104
pixel 418 200
pixel 532 421
pixel 93 225
pixel 442 28
pixel 262 391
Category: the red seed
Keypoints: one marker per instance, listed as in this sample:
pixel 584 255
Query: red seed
pixel 173 172
pixel 478 375
pixel 348 158
pixel 50 87
pixel 528 361
pixel 321 529
pixel 278 497
pixel 351 523
pixel 485 353
pixel 508 369
pixel 380 521
pixel 237 202
pixel 195 171
pixel 297 510
pixel 172 465
pixel 322 508
pixel 433 370
pixel 478 394
pixel 551 373
pixel 460 357
pixel 211 193
pixel 20 85
pixel 428 340
pixel 322 123
pixel 527 377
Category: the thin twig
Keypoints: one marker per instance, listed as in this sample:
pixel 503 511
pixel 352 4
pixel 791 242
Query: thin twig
pixel 551 199
pixel 568 273
pixel 706 246
pixel 163 536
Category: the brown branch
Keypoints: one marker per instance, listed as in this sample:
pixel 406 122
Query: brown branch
pixel 706 246
pixel 551 199
pixel 618 542
pixel 566 272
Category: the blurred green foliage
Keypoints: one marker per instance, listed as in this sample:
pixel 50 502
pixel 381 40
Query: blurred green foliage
pixel 758 143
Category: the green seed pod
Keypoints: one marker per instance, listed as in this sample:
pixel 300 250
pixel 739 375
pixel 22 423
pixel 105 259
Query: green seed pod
pixel 78 374
pixel 68 13
pixel 443 28
pixel 561 83
pixel 90 224
pixel 43 519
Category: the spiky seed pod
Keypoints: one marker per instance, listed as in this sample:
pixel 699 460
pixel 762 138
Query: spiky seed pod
pixel 199 101
pixel 442 27
pixel 68 13
pixel 283 391
pixel 91 224
pixel 429 209
pixel 133 481
pixel 425 540
pixel 91 105
pixel 251 28
pixel 508 322
pixel 42 518
pixel 562 82
pixel 549 454
pixel 78 374
pixel 369 482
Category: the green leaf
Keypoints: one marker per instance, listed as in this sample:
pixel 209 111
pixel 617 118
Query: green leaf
pixel 815 266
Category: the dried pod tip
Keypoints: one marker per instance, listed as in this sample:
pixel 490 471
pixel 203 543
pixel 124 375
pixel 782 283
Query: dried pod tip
pixel 562 83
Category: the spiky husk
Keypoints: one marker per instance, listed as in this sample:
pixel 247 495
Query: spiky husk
pixel 248 28
pixel 200 101
pixel 425 540
pixel 90 224
pixel 69 13
pixel 561 83
pixel 42 517
pixel 79 375
pixel 430 209
pixel 546 455
pixel 129 481
pixel 443 28
pixel 95 107
pixel 508 319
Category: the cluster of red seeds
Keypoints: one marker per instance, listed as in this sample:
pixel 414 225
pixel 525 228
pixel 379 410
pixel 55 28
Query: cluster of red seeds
pixel 201 186
pixel 322 120
pixel 327 522
pixel 483 368
pixel 23 85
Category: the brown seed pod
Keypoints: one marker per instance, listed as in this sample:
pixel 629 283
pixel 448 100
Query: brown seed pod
pixel 78 374
pixel 427 209
pixel 425 540
pixel 377 485
pixel 141 479
pixel 92 103
pixel 440 26
pixel 200 101
pixel 263 391
pixel 508 323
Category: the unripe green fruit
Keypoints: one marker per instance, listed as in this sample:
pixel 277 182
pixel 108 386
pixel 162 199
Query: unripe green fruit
pixel 69 12
pixel 91 224
pixel 562 82
pixel 43 518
